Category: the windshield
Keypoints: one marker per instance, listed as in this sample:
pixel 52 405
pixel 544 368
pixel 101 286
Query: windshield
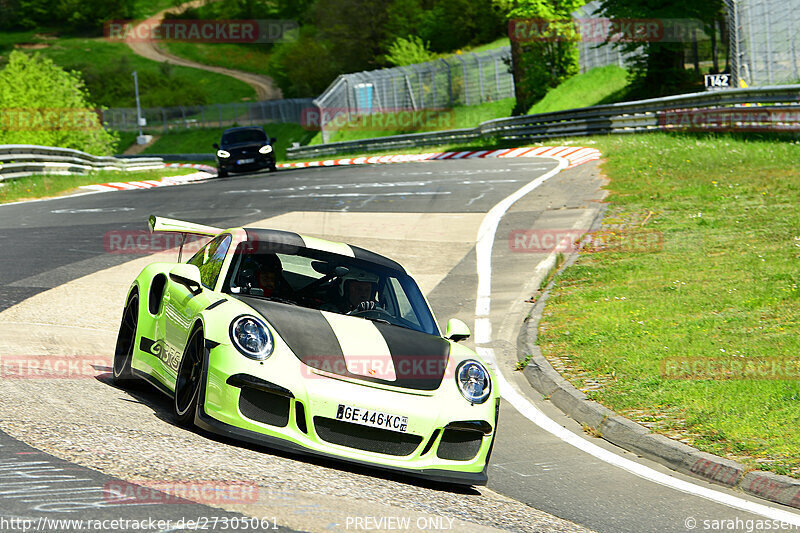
pixel 243 136
pixel 333 283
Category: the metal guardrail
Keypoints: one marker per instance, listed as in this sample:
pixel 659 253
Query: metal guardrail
pixel 19 160
pixel 746 110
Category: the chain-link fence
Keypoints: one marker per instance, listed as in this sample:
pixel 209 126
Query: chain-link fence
pixel 165 119
pixel 461 79
pixel 765 45
pixel 594 54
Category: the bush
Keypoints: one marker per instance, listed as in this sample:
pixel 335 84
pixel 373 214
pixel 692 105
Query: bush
pixel 42 104
pixel 408 52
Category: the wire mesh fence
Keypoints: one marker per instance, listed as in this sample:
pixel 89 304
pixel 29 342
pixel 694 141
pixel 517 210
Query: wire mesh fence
pixel 593 54
pixel 765 41
pixel 166 119
pixel 461 79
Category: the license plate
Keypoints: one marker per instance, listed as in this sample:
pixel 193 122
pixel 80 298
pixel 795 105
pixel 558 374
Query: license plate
pixel 245 161
pixel 368 417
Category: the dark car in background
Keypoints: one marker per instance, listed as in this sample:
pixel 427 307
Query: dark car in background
pixel 245 149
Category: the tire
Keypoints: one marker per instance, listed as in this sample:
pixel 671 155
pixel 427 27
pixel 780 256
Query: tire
pixel 126 341
pixel 189 380
pixel 222 173
pixel 273 167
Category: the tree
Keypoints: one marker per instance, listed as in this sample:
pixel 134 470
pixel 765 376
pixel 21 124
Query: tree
pixel 42 104
pixel 658 67
pixel 543 50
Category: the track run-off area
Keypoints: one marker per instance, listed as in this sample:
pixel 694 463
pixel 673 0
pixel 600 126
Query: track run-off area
pixel 66 445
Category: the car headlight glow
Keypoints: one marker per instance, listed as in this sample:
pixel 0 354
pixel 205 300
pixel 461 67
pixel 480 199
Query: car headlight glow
pixel 224 154
pixel 252 337
pixel 265 149
pixel 473 381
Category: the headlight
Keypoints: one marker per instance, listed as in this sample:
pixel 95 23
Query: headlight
pixel 265 149
pixel 224 154
pixel 473 381
pixel 251 337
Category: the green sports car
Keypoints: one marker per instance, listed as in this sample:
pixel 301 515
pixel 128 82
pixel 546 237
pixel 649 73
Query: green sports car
pixel 309 346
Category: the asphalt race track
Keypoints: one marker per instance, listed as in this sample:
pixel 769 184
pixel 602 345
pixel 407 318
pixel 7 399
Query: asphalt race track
pixel 64 442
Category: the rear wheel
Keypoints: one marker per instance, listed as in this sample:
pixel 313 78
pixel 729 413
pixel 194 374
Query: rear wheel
pixel 190 377
pixel 126 342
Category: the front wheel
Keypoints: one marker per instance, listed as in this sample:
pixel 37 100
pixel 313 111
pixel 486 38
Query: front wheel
pixel 126 342
pixel 222 173
pixel 190 378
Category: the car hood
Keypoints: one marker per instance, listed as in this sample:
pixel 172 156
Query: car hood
pixel 357 348
pixel 240 146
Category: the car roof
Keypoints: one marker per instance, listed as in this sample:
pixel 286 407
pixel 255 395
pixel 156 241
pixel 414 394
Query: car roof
pixel 287 242
pixel 244 128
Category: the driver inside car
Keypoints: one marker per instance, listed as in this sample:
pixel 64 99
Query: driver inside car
pixel 358 291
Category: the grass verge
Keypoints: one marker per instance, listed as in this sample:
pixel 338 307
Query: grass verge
pixel 245 57
pixel 382 125
pixel 47 185
pixel 719 286
pixel 602 85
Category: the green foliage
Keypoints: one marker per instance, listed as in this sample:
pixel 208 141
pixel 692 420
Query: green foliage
pixel 70 15
pixel 341 36
pixel 543 63
pixel 409 51
pixel 42 104
pixel 658 69
pixel 304 66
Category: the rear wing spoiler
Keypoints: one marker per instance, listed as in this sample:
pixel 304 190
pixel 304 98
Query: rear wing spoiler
pixel 168 225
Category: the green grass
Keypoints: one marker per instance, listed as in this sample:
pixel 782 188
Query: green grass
pixel 498 43
pixel 107 69
pixel 44 186
pixel 199 141
pixel 246 57
pixel 724 286
pixel 602 85
pixel 455 118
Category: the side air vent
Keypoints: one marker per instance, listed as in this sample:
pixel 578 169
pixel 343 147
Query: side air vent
pixel 156 295
pixel 459 445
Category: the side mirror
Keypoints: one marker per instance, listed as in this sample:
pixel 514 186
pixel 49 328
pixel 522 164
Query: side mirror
pixel 272 140
pixel 216 146
pixel 188 276
pixel 456 330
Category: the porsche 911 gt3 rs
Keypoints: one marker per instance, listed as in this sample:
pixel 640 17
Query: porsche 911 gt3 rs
pixel 310 346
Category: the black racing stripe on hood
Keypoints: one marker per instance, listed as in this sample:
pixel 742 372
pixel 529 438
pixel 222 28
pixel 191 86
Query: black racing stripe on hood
pixel 372 257
pixel 420 359
pixel 304 330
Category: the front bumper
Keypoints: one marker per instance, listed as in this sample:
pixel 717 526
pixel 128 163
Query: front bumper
pixel 298 421
pixel 260 162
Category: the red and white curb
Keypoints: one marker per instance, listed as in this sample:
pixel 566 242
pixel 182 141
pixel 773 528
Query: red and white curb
pixel 575 155
pixel 204 172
